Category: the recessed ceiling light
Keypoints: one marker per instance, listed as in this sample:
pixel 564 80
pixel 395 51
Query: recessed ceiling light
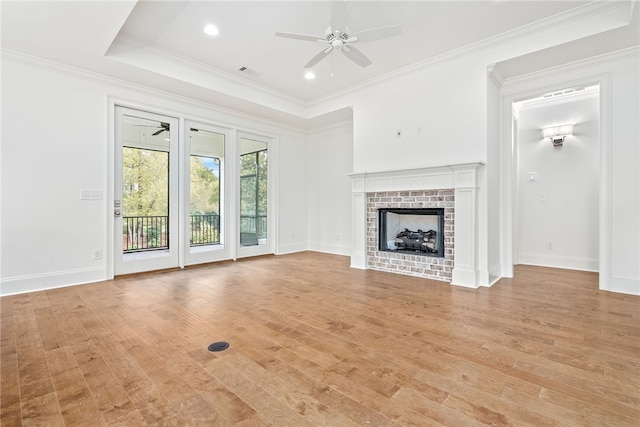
pixel 212 30
pixel 309 75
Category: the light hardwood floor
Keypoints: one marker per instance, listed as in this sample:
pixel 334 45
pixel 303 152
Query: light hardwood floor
pixel 315 343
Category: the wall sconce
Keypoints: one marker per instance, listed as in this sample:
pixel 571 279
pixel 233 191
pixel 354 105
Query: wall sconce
pixel 557 134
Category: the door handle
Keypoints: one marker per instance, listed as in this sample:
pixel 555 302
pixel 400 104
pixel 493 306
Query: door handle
pixel 116 212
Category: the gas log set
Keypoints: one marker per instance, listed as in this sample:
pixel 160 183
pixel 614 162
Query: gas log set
pixel 419 241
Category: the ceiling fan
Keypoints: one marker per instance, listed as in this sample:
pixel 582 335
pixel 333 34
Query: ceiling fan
pixel 338 38
pixel 163 126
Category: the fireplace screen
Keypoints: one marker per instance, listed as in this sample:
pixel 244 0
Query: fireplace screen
pixel 411 231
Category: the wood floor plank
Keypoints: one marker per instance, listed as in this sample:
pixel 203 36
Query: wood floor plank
pixel 314 342
pixel 225 371
pixel 43 410
pixel 110 397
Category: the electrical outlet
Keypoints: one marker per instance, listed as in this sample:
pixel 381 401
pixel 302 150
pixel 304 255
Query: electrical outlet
pixel 549 244
pixel 97 254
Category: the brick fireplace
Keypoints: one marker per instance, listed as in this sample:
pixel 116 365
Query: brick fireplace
pixel 416 264
pixel 452 187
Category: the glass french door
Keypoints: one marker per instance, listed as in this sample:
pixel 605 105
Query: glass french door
pixel 205 209
pixel 145 192
pixel 254 207
pixel 179 201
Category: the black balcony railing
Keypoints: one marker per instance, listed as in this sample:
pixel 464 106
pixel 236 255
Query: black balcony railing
pixel 254 224
pixel 144 233
pixel 205 229
pixel 150 233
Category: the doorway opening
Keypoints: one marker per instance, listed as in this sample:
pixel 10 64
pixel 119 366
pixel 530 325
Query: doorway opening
pixel 556 203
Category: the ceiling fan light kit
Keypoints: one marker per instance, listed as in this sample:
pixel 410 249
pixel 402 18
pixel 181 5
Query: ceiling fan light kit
pixel 338 38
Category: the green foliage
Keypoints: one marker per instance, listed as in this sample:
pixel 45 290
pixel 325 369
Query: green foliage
pixel 253 184
pixel 253 192
pixel 204 200
pixel 145 182
pixel 205 187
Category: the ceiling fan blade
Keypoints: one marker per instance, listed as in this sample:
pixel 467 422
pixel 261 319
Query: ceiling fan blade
pixel 318 57
pixel 300 37
pixel 164 126
pixel 338 16
pixel 378 33
pixel 356 56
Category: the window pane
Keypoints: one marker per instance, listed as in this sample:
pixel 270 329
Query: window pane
pixel 204 200
pixel 247 164
pixel 262 184
pixel 253 192
pixel 145 199
pixel 205 190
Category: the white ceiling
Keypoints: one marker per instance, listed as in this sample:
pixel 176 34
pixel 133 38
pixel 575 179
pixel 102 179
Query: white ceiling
pixel 161 44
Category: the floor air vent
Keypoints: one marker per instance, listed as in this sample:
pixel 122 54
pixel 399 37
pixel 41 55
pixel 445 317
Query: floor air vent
pixel 218 346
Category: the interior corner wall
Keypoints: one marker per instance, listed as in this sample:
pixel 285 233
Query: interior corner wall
pixel 492 174
pixel 55 143
pixel 329 160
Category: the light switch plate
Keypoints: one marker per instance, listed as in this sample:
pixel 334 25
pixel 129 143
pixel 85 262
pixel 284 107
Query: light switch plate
pixel 90 195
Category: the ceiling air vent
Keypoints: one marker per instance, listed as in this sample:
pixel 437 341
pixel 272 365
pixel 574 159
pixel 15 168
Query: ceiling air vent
pixel 249 72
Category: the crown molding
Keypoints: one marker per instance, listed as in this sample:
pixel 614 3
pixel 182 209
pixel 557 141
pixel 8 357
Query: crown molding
pixel 609 57
pixel 330 126
pixel 495 75
pixel 44 63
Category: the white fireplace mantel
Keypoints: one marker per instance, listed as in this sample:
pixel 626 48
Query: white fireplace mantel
pixel 463 178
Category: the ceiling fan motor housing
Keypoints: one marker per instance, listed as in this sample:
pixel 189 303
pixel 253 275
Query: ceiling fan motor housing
pixel 337 38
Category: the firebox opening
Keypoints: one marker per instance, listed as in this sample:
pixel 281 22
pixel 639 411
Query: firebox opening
pixel 411 231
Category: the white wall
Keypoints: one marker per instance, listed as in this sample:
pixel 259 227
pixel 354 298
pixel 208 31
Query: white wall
pixel 568 178
pixel 55 127
pixel 445 103
pixel 329 160
pixel 292 206
pixel 625 176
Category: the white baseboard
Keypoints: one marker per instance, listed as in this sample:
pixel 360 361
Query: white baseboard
pixel 289 248
pixel 495 274
pixel 624 285
pixel 51 280
pixel 330 249
pixel 464 277
pixel 559 261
